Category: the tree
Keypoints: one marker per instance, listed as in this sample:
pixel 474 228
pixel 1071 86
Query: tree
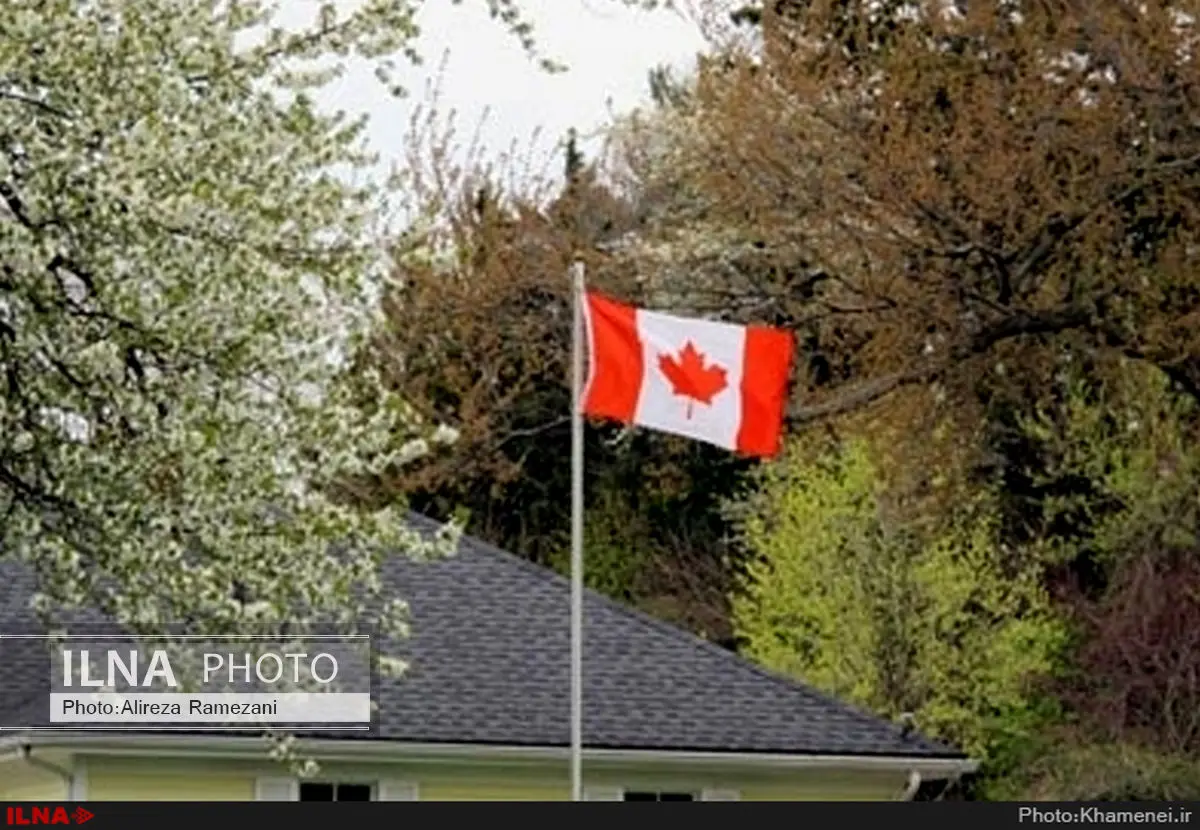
pixel 857 594
pixel 1139 677
pixel 1106 772
pixel 180 269
pixel 476 334
pixel 979 220
pixel 1130 533
pixel 922 189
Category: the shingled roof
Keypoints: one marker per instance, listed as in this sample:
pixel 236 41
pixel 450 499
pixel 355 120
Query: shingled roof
pixel 489 661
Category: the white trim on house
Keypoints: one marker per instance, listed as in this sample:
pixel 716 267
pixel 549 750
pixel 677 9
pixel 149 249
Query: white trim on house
pixel 199 746
pixel 77 790
pixel 603 793
pixel 276 788
pixel 714 794
pixel 391 789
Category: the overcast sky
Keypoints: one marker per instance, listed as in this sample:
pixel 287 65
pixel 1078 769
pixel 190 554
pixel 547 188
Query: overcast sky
pixel 609 49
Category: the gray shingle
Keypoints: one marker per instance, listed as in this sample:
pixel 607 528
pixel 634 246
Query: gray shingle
pixel 489 664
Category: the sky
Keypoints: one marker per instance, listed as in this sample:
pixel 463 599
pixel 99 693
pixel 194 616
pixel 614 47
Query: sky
pixel 608 48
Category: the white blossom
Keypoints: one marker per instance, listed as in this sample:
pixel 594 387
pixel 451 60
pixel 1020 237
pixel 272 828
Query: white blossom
pixel 179 261
pixel 186 265
pixel 445 434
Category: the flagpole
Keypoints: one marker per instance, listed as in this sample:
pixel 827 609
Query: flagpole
pixel 577 290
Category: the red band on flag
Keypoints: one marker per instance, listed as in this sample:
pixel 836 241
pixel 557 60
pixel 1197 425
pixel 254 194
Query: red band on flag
pixel 614 358
pixel 768 363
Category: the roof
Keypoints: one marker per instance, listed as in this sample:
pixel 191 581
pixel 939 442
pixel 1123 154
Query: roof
pixel 489 664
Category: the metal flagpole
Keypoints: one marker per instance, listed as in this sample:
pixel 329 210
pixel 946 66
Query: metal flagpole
pixel 577 380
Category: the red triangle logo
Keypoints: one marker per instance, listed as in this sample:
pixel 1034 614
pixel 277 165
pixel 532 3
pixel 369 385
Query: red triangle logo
pixel 81 815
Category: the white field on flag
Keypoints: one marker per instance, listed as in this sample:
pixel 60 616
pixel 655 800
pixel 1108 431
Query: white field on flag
pixel 693 386
pixel 716 382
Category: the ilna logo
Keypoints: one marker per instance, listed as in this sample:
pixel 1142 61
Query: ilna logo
pixel 47 815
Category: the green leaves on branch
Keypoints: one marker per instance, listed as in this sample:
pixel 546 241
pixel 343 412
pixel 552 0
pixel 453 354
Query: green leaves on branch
pixel 857 598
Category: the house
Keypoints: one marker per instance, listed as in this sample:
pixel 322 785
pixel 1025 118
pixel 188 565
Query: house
pixel 482 714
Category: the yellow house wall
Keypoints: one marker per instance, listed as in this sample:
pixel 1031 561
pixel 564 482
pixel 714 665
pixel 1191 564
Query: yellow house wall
pixel 150 780
pixel 21 782
pixel 133 779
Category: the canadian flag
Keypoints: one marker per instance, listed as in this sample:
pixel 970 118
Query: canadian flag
pixel 713 382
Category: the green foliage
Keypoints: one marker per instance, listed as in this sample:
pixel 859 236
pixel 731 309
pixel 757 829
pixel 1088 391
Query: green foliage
pixel 616 548
pixel 1103 772
pixel 935 618
pixel 1129 435
pixel 1126 533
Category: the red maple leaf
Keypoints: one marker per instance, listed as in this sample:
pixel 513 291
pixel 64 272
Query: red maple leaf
pixel 690 378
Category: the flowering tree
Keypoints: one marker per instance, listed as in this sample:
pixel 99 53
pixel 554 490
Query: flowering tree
pixel 180 271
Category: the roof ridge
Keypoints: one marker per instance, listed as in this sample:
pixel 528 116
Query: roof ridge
pixel 677 633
